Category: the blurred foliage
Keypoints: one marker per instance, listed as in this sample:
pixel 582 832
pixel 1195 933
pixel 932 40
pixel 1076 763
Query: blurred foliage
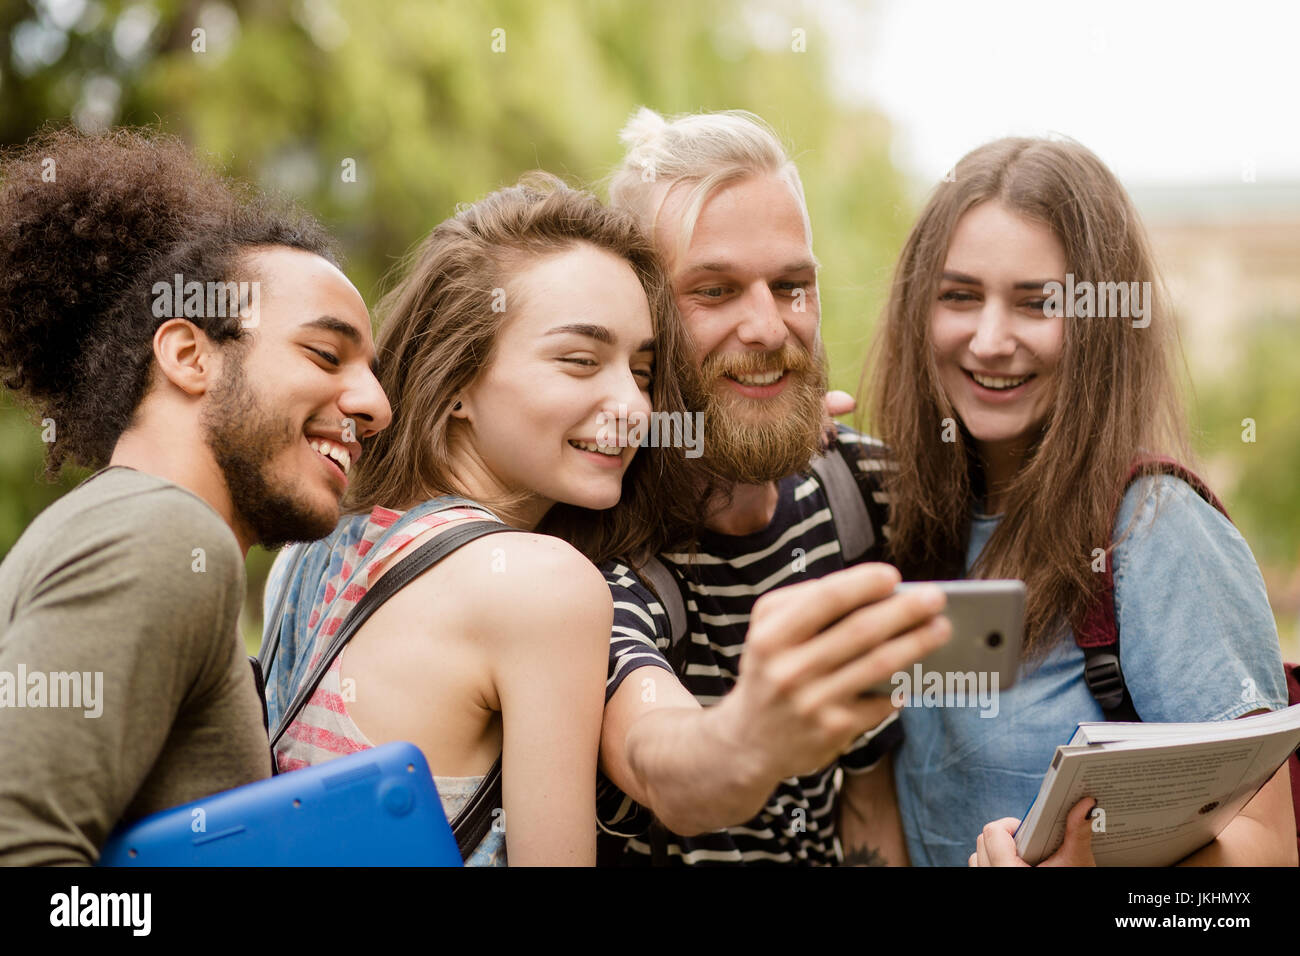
pixel 1249 432
pixel 434 112
pixel 1249 428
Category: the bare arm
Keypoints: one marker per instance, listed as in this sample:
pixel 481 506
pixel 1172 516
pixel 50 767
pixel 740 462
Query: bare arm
pixel 669 754
pixel 548 622
pixel 1262 834
pixel 811 649
pixel 871 830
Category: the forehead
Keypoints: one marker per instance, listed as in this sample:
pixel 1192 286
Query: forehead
pixel 302 282
pixel 757 225
pixel 578 284
pixel 994 239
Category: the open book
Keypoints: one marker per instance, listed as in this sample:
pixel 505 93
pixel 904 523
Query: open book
pixel 1165 790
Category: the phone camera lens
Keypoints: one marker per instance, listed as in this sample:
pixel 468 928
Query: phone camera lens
pixel 994 639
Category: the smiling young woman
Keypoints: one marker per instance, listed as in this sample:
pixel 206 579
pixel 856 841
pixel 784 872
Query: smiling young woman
pixel 1015 427
pixel 524 326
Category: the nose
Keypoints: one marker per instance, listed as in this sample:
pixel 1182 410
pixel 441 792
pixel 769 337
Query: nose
pixel 762 324
pixel 624 400
pixel 994 334
pixel 363 400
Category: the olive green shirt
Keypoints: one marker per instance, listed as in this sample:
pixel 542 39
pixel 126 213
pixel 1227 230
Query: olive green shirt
pixel 124 686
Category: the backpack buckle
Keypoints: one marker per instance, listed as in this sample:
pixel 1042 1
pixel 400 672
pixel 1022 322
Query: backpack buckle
pixel 1105 680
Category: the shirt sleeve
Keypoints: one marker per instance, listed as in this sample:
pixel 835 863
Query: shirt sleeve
pixel 143 607
pixel 639 638
pixel 1198 638
pixel 866 751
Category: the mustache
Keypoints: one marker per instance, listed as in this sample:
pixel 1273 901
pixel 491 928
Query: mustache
pixel 787 358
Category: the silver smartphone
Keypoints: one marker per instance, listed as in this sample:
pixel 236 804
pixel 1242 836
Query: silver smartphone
pixel 988 620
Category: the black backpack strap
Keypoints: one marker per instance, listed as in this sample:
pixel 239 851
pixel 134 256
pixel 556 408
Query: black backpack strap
pixel 474 820
pixel 405 571
pixel 477 814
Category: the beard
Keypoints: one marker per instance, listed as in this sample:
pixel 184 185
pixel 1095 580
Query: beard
pixel 245 437
pixel 752 441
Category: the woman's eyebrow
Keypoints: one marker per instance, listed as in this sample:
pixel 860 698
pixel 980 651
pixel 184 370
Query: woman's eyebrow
pixel 599 333
pixel 961 277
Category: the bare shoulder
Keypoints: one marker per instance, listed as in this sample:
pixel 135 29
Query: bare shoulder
pixel 523 582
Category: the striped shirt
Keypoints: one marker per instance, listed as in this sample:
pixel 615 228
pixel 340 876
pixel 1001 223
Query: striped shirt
pixel 729 573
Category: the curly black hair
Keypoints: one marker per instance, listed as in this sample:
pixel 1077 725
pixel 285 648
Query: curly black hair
pixel 88 224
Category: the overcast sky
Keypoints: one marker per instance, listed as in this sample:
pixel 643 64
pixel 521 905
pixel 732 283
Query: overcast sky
pixel 1163 92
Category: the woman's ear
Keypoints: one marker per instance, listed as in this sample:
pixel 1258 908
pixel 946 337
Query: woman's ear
pixel 459 410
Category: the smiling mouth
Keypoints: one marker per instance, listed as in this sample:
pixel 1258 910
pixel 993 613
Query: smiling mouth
pixel 611 451
pixel 758 379
pixel 998 383
pixel 336 454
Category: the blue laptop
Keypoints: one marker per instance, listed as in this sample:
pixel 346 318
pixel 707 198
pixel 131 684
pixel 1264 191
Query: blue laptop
pixel 377 807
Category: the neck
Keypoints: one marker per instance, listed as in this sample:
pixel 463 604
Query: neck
pixel 473 479
pixel 750 508
pixel 1002 462
pixel 172 451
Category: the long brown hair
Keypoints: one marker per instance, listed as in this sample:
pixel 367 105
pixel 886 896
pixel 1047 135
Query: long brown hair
pixel 439 332
pixel 1116 389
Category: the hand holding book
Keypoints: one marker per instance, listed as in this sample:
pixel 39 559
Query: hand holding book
pixel 996 845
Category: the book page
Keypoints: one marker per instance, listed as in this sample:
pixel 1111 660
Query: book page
pixel 1159 803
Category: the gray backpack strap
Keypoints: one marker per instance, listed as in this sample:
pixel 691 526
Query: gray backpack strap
pixel 665 585
pixel 848 509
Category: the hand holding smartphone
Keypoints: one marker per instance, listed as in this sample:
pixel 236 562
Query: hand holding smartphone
pixel 987 633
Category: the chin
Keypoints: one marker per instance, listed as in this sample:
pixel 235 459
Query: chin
pixel 594 499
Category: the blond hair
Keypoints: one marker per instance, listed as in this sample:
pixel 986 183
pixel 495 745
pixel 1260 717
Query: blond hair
pixel 704 150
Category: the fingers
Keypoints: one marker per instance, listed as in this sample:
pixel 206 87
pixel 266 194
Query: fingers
pixel 866 713
pixel 1078 816
pixel 870 629
pixel 1076 848
pixel 791 615
pixel 839 403
pixel 879 665
pixel 999 844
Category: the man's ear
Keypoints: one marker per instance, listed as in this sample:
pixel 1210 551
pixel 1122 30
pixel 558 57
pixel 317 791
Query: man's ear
pixel 186 356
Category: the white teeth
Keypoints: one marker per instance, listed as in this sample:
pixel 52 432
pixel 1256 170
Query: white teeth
pixel 611 450
pixel 335 452
pixel 767 378
pixel 990 382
